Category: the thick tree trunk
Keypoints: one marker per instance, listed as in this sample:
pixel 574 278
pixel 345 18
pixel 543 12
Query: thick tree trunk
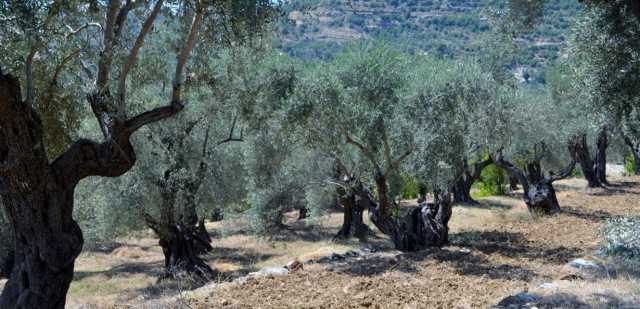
pixel 462 192
pixel 39 202
pixel 182 246
pixel 601 156
pixel 38 196
pixel 541 198
pixel 586 164
pixel 513 183
pixel 539 194
pixel 421 227
pixel 353 223
pixel 462 187
pixel 303 213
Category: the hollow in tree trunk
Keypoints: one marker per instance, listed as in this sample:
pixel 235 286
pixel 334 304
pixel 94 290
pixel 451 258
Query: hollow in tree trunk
pixel 303 213
pixel 586 164
pixel 462 187
pixel 421 227
pixel 539 194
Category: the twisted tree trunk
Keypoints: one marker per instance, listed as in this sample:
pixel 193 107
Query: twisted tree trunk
pixel 586 164
pixel 38 195
pixel 421 227
pixel 353 223
pixel 462 187
pixel 539 194
pixel 601 156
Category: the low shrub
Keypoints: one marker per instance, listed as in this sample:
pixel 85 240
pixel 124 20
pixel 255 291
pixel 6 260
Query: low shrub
pixel 492 182
pixel 629 165
pixel 622 237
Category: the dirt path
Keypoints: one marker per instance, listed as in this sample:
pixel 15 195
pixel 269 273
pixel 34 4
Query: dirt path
pixel 497 250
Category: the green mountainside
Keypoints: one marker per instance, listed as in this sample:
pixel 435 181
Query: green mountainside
pixel 317 29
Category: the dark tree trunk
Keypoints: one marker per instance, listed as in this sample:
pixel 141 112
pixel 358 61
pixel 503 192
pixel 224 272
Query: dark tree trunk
pixel 421 227
pixel 513 183
pixel 541 198
pixel 586 164
pixel 601 156
pixel 303 213
pixel 38 195
pixel 353 223
pixel 539 194
pixel 182 247
pixel 462 187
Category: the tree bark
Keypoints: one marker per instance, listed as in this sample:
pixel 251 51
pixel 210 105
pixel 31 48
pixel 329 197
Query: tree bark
pixel 182 247
pixel 353 223
pixel 513 183
pixel 539 194
pixel 586 164
pixel 601 156
pixel 38 199
pixel 421 227
pixel 38 196
pixel 303 213
pixel 462 187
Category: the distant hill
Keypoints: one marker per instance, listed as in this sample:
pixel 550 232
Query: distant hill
pixel 451 28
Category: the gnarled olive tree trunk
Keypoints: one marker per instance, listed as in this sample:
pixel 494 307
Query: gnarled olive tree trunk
pixel 38 195
pixel 421 227
pixel 352 204
pixel 600 165
pixel 462 187
pixel 539 194
pixel 586 164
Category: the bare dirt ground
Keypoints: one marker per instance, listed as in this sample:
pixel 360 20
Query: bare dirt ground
pixel 497 250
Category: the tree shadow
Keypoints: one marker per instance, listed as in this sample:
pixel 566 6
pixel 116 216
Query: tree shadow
pixel 487 204
pixel 566 300
pixel 513 245
pixel 150 269
pixel 593 215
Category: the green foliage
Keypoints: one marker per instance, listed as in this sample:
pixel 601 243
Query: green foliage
pixel 492 182
pixel 630 165
pixel 410 187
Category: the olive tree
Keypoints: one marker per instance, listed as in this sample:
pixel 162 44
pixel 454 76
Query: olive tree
pixel 38 194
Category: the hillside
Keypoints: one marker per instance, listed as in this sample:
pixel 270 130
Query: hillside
pixel 319 28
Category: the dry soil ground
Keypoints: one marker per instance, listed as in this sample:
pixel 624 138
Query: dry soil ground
pixel 497 250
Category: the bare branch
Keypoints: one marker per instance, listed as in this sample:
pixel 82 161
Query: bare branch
pixel 512 169
pixel 564 173
pixel 56 74
pixel 153 115
pixel 133 55
pixel 73 32
pixel 106 56
pixel 186 51
pixel 231 131
pixel 362 148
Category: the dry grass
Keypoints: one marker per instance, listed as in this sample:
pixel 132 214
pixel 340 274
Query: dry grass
pixel 497 249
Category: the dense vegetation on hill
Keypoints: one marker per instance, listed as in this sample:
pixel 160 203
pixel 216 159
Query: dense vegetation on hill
pixel 450 28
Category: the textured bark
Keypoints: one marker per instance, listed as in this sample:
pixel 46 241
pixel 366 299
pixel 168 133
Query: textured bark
pixel 513 183
pixel 421 227
pixel 38 195
pixel 539 194
pixel 601 156
pixel 586 164
pixel 182 247
pixel 303 213
pixel 38 199
pixel 353 223
pixel 462 187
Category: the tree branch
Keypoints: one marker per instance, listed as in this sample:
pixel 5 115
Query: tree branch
pixel 396 163
pixel 153 115
pixel 186 51
pixel 56 74
pixel 231 138
pixel 133 55
pixel 106 56
pixel 73 32
pixel 362 148
pixel 564 173
pixel 512 169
